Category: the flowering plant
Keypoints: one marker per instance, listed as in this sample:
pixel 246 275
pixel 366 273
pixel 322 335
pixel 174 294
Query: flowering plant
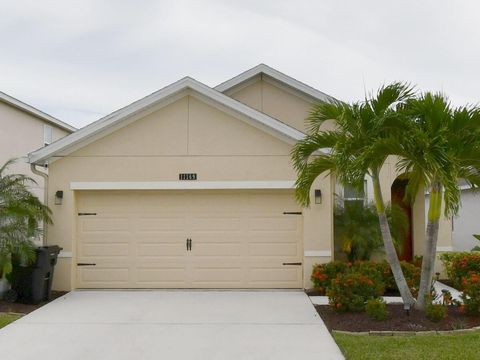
pixel 471 293
pixel 351 291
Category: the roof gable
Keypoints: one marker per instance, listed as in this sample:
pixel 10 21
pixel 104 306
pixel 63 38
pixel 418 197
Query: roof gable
pixel 35 112
pixel 167 95
pixel 276 75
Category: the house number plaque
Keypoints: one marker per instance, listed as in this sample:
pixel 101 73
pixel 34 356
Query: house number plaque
pixel 187 176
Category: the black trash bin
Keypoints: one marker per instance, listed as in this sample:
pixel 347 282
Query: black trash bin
pixel 33 284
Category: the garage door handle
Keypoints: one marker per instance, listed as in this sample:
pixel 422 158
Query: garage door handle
pixel 189 244
pixel 293 263
pixel 86 264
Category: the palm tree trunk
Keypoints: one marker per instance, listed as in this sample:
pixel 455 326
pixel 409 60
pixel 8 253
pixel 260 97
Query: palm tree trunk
pixel 431 237
pixel 390 251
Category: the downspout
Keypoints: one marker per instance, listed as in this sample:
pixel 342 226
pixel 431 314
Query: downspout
pixel 45 197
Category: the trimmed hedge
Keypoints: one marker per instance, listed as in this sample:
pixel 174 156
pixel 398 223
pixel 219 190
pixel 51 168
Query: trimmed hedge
pixel 379 272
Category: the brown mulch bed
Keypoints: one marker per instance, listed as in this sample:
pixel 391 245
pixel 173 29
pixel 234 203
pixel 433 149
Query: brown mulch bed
pixel 27 308
pixel 315 292
pixel 398 320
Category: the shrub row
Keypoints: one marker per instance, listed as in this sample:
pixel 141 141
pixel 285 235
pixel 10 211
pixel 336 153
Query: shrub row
pixel 458 265
pixel 378 272
pixel 463 270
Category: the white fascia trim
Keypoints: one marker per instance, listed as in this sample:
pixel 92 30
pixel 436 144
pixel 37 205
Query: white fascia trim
pixel 468 187
pixel 76 139
pixel 277 75
pixel 317 253
pixel 183 185
pixel 444 248
pixel 460 187
pixel 33 111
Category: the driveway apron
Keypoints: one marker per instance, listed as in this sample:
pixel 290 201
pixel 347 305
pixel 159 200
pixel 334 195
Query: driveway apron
pixel 161 324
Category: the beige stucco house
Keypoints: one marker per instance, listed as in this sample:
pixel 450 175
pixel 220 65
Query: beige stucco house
pixel 23 129
pixel 192 187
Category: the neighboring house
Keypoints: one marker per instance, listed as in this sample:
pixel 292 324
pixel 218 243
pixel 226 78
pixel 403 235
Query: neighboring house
pixel 467 223
pixel 24 129
pixel 192 187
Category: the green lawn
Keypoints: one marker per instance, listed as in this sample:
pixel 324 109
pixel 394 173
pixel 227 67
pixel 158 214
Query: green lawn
pixel 461 346
pixel 6 319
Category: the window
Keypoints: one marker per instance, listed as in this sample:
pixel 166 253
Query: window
pixel 47 134
pixel 353 195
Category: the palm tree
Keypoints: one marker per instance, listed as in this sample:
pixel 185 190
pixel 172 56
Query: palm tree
pixel 346 152
pixel 21 214
pixel 440 146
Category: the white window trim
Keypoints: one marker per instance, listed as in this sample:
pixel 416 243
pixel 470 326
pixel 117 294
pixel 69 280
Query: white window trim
pixel 183 185
pixel 364 198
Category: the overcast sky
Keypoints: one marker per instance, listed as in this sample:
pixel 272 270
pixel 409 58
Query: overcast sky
pixel 80 60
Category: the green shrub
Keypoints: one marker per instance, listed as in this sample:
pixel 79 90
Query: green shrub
pixel 377 309
pixel 323 274
pixel 459 264
pixel 371 269
pixel 380 272
pixel 436 312
pixel 417 261
pixel 410 271
pixel 350 291
pixel 471 293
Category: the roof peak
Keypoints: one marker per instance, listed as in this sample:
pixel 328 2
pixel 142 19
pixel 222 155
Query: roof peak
pixel 263 68
pixel 81 137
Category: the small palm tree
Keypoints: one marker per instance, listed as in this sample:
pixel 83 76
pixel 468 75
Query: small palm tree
pixel 357 231
pixel 346 152
pixel 440 146
pixel 21 214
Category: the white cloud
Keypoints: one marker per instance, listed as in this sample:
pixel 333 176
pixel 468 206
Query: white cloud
pixel 79 60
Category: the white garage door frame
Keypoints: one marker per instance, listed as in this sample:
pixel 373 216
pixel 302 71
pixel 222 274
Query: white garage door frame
pixel 177 185
pixel 183 185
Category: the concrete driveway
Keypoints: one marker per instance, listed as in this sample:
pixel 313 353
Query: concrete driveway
pixel 227 325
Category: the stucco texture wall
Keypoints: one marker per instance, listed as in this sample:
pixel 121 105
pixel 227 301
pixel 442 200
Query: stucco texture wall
pixel 185 136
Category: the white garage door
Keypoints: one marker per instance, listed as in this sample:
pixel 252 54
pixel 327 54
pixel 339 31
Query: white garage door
pixel 188 239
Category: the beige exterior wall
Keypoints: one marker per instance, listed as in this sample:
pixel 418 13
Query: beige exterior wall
pixel 21 133
pixel 276 100
pixel 185 136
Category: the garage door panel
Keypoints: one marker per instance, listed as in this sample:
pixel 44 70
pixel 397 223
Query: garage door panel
pixel 113 225
pixel 161 223
pixel 240 239
pixel 216 223
pixel 280 223
pixel 104 250
pixel 160 276
pixel 273 249
pixel 274 237
pixel 99 238
pixel 156 249
pixel 274 275
pixel 104 277
pixel 212 277
pixel 218 249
